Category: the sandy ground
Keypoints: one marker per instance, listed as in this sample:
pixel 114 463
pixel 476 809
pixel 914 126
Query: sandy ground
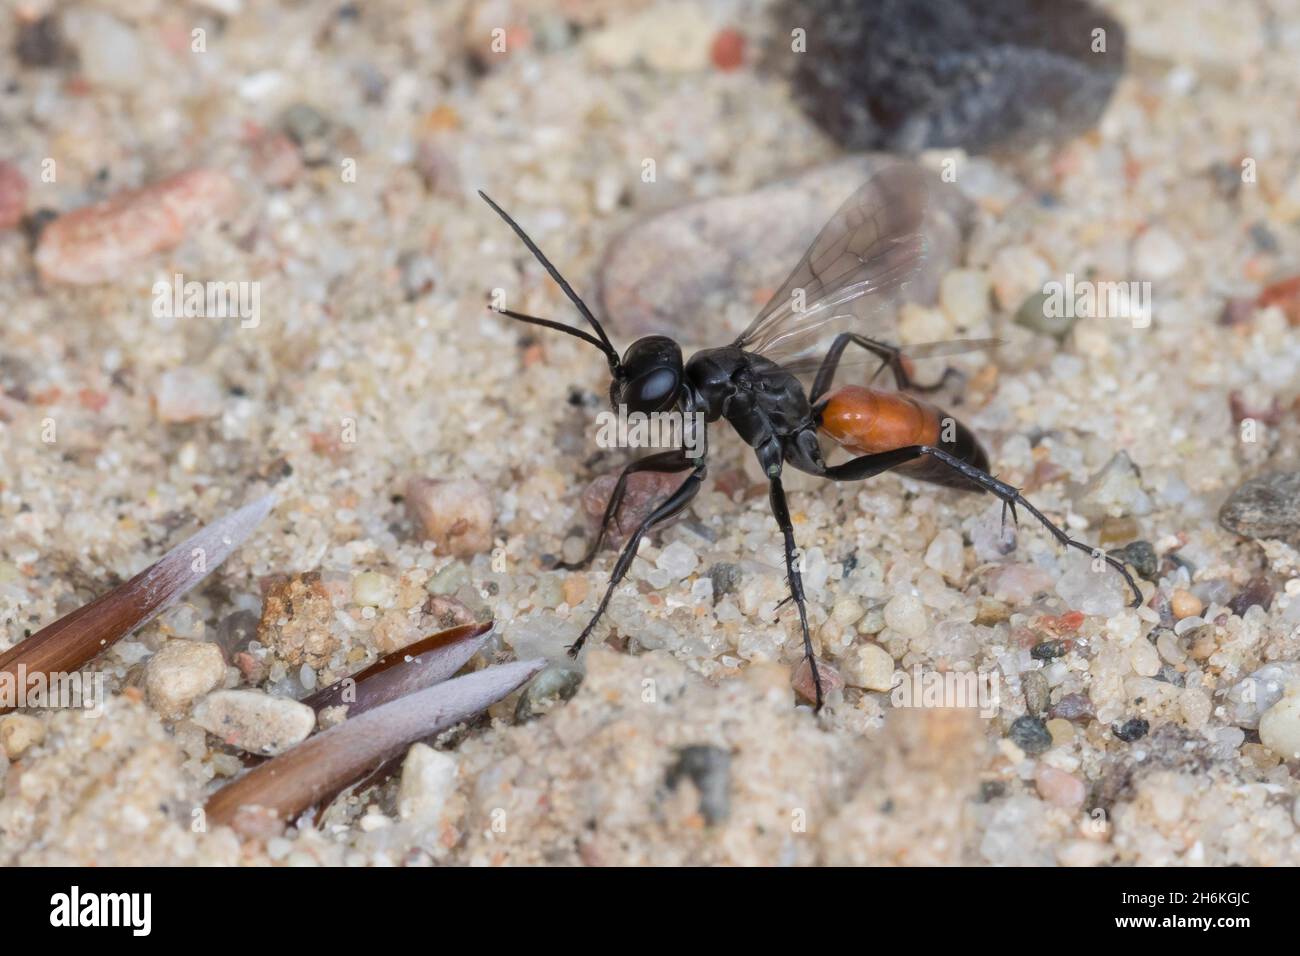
pixel 373 361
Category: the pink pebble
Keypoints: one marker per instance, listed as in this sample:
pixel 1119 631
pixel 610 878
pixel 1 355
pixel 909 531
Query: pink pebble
pixel 1059 788
pixel 100 243
pixel 13 195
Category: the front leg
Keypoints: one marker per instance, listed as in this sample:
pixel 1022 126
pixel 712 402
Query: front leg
pixel 770 456
pixel 678 500
pixel 782 514
pixel 667 462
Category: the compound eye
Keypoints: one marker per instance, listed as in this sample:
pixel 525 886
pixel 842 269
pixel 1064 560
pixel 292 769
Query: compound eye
pixel 653 391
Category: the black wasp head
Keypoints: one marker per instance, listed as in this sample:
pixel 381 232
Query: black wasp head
pixel 649 378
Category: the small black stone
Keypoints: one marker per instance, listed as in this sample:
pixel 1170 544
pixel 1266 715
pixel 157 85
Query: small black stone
pixel 991 790
pixel 1047 650
pixel 1031 735
pixel 1135 728
pixel 1142 556
pixel 1265 507
pixel 40 43
pixel 725 577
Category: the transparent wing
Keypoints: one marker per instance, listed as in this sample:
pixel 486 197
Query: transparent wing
pixel 854 273
pixel 857 366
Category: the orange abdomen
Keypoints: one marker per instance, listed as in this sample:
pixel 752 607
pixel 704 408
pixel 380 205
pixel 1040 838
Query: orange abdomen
pixel 868 421
pixel 871 420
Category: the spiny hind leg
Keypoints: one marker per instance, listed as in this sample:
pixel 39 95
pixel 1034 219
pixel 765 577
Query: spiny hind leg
pixel 866 466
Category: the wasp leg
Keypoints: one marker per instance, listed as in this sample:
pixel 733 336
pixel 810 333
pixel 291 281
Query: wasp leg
pixel 866 466
pixel 678 500
pixel 665 462
pixel 782 514
pixel 891 357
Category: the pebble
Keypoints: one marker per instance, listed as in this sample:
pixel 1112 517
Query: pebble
pixel 187 394
pixel 1135 728
pixel 1115 490
pixel 947 555
pixel 253 721
pixel 19 733
pixel 906 614
pixel 1258 592
pixel 670 38
pixel 1034 314
pixel 1142 556
pixel 554 684
pixel 803 685
pixel 1059 788
pixel 964 296
pixel 1049 649
pixel 449 579
pixel 1030 734
pixel 868 666
pixel 1094 592
pixel 1018 273
pixel 1285 294
pixel 1018 584
pixel 181 672
pixel 109 53
pixel 728 50
pixel 1249 698
pixel 677 272
pixel 1195 706
pixel 1062 731
pixel 964 74
pixel 1157 255
pixel 13 195
pixel 275 158
pixel 40 42
pixel 1185 604
pixel 110 240
pixel 428 780
pixel 678 560
pixel 1076 707
pixel 575 589
pixel 1265 507
pixel 456 515
pixel 1034 685
pixel 304 124
pixel 1279 728
pixel 297 620
pixel 1144 659
pixel 1169 648
pixel 726 577
pixel 373 589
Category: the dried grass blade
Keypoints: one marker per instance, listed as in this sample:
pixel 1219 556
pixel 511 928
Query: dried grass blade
pixel 77 638
pixel 323 765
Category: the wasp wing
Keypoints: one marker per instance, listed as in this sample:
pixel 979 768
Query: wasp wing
pixel 808 365
pixel 854 273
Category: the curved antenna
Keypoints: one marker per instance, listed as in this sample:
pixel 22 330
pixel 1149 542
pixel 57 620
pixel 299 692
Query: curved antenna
pixel 604 344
